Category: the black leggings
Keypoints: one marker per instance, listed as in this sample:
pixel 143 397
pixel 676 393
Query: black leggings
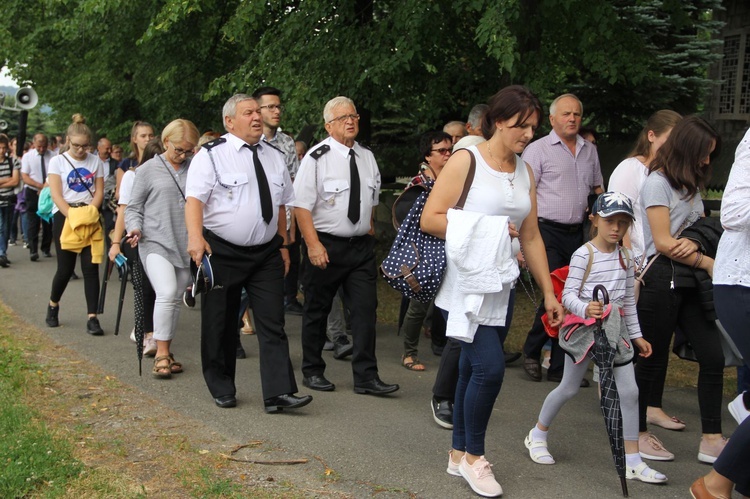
pixel 660 311
pixel 66 263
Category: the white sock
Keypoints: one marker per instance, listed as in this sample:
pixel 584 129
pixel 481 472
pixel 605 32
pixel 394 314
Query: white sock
pixel 537 434
pixel 633 460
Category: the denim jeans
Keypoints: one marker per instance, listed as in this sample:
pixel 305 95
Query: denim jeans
pixel 6 215
pixel 481 370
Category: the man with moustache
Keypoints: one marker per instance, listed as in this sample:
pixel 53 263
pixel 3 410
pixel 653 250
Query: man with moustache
pixel 237 188
pixel 336 190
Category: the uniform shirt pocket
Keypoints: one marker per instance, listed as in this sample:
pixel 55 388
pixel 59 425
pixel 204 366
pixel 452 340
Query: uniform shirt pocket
pixel 333 188
pixel 277 184
pixel 237 194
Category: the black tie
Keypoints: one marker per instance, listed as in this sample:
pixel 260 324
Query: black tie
pixel 266 207
pixel 353 189
pixel 44 170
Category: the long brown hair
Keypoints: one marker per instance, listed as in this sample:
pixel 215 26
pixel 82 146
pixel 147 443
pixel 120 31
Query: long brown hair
pixel 660 122
pixel 681 157
pixel 508 102
pixel 134 152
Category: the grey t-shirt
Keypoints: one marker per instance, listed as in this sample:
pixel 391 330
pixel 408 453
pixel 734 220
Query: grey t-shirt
pixel 683 212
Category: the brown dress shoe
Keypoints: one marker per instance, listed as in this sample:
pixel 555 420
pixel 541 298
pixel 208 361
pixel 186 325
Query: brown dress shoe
pixel 533 369
pixel 699 491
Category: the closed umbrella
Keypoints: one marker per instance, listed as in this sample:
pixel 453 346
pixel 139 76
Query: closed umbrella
pixel 103 292
pixel 123 270
pixel 137 278
pixel 603 354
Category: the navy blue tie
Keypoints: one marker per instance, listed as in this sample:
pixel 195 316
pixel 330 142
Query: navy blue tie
pixel 353 189
pixel 266 207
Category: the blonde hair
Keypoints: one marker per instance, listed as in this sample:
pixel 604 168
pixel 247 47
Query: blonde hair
pixel 180 130
pixel 78 127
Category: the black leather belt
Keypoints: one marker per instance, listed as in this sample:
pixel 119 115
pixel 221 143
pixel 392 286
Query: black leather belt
pixel 348 240
pixel 77 205
pixel 247 249
pixel 558 225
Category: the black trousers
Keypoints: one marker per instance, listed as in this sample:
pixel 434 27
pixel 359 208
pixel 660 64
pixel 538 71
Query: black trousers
pixel 351 266
pixel 260 270
pixel 560 246
pixel 291 281
pixel 33 221
pixel 66 263
pixel 446 378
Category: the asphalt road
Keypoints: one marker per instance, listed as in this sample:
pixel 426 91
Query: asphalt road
pixel 389 441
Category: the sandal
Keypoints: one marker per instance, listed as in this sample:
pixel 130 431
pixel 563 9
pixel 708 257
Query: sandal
pixel 247 326
pixel 412 363
pixel 174 366
pixel 538 450
pixel 644 474
pixel 163 371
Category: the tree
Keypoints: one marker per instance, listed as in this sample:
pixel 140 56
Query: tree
pixel 409 65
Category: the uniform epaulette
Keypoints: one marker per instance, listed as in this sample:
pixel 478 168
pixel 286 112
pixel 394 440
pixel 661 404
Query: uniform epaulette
pixel 364 147
pixel 265 142
pixel 320 151
pixel 214 143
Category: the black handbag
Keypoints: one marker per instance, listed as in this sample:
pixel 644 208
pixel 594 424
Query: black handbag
pixel 416 262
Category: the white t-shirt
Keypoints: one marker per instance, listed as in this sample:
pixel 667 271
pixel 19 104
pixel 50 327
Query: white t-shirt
pixel 77 183
pixel 628 179
pixel 126 187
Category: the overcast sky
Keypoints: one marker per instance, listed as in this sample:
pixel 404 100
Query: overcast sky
pixel 5 80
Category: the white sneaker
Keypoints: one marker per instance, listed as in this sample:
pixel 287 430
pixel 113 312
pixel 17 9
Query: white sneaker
pixel 737 409
pixel 452 467
pixel 480 477
pixel 149 346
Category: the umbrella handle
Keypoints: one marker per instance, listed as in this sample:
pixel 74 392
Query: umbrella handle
pixel 605 295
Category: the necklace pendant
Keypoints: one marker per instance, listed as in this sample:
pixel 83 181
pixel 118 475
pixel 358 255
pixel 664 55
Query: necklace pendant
pixel 230 195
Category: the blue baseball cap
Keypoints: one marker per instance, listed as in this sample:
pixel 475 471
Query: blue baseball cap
pixel 203 275
pixel 611 203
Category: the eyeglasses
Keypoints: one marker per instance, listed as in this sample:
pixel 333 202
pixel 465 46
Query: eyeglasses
pixel 443 150
pixel 78 146
pixel 273 107
pixel 345 118
pixel 182 152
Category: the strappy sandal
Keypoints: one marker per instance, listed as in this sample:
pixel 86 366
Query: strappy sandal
pixel 174 366
pixel 538 450
pixel 643 473
pixel 413 364
pixel 163 371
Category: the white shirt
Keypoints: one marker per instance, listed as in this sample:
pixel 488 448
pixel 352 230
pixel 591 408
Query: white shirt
pixel 234 212
pixel 126 187
pixel 628 179
pixel 322 186
pixel 732 266
pixel 77 183
pixel 31 164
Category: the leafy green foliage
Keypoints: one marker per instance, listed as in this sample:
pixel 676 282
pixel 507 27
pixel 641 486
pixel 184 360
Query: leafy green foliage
pixel 402 61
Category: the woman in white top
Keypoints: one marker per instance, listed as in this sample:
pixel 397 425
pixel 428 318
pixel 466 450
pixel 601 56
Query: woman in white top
pixel 732 301
pixel 76 178
pixel 628 179
pixel 503 185
pixel 155 216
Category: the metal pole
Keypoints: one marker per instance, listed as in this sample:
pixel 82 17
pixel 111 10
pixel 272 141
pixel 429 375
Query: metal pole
pixel 21 140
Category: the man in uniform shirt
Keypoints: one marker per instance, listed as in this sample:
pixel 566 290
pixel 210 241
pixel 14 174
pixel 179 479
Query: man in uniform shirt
pixel 236 190
pixel 271 110
pixel 34 166
pixel 336 190
pixel 566 168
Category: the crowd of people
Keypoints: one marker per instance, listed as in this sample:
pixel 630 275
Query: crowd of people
pixel 263 217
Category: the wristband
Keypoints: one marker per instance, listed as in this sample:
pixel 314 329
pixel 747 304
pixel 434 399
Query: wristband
pixel 286 246
pixel 698 258
pixel 115 242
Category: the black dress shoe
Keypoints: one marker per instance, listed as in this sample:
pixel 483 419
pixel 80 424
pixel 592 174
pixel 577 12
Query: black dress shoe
pixel 226 401
pixel 328 346
pixel 286 401
pixel 442 412
pixel 511 357
pixel 47 254
pixel 533 369
pixel 241 351
pixel 293 308
pixel 319 383
pixel 34 257
pixel 342 350
pixel 375 387
pixel 437 350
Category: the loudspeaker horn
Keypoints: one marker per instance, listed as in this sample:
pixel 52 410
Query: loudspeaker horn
pixel 3 125
pixel 26 98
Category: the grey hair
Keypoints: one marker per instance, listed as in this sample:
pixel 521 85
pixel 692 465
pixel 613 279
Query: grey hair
pixel 333 104
pixel 553 106
pixel 230 106
pixel 476 114
pixel 454 123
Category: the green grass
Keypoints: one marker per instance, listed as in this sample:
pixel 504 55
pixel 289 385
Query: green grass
pixel 32 460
